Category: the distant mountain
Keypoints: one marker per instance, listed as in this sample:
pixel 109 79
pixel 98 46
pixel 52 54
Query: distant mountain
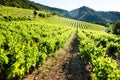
pixel 83 13
pixel 87 14
pixel 31 5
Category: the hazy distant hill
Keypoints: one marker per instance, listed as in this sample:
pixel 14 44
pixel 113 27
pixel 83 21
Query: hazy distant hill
pixel 87 14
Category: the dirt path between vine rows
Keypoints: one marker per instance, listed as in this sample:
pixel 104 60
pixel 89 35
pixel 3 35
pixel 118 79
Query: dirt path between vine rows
pixel 67 66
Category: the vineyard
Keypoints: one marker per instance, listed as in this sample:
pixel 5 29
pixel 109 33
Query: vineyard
pixel 25 42
pixel 101 50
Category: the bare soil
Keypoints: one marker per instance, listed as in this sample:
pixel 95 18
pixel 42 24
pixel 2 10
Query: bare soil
pixel 67 66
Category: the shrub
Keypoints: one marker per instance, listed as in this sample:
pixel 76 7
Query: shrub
pixel 116 28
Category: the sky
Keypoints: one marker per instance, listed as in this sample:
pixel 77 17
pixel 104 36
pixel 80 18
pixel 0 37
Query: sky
pixel 98 5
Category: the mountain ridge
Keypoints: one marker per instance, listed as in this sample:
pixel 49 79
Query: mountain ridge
pixel 90 15
pixel 83 13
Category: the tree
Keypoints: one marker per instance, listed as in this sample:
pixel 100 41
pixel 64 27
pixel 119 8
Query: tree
pixel 109 27
pixel 116 28
pixel 35 13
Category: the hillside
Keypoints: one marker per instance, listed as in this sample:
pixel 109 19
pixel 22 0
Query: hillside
pixel 19 14
pixel 87 14
pixel 25 41
pixel 55 48
pixel 83 13
pixel 27 4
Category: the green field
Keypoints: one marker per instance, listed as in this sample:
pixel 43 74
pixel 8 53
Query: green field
pixel 26 41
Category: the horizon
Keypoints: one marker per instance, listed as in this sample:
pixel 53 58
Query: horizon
pixel 71 5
